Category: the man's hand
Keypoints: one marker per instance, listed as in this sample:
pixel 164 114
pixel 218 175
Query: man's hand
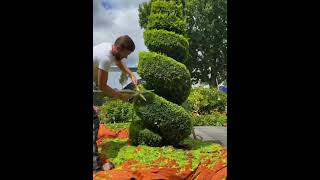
pixel 127 71
pixel 123 97
pixel 134 80
pixel 96 109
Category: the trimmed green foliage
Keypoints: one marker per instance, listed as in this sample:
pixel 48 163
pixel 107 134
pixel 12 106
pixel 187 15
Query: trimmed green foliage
pixel 165 118
pixel 169 43
pixel 142 136
pixel 169 22
pixel 167 77
pixel 206 100
pixel 117 111
pixel 166 7
pixel 164 73
pixel 119 152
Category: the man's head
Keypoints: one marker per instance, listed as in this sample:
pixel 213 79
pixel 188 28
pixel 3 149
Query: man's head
pixel 122 47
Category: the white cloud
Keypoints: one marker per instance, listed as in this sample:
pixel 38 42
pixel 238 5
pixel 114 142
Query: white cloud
pixel 123 4
pixel 122 18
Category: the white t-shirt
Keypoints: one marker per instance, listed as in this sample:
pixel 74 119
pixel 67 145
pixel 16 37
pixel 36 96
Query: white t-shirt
pixel 102 58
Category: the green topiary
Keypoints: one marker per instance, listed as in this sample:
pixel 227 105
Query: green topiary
pixel 169 43
pixel 169 22
pixel 167 77
pixel 142 136
pixel 167 7
pixel 165 118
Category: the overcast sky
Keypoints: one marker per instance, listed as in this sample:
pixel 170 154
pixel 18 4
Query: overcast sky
pixel 112 18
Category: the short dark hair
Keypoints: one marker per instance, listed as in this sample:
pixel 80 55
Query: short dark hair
pixel 125 42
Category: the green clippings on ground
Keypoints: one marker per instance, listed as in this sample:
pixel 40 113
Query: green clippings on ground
pixel 213 162
pixel 119 151
pixel 124 154
pixel 147 155
pixel 111 147
pixel 213 148
pixel 162 163
pixel 117 126
pixel 179 155
pixel 203 151
pixel 195 159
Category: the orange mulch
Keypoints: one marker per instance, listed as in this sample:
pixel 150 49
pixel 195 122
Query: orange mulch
pixel 202 172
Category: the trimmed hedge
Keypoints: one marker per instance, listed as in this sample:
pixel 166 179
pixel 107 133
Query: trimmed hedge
pixel 165 118
pixel 206 101
pixel 169 78
pixel 167 7
pixel 169 43
pixel 169 22
pixel 215 119
pixel 117 111
pixel 142 136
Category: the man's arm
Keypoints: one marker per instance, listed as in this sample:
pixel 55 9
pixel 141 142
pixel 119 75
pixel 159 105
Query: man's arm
pixel 107 90
pixel 126 70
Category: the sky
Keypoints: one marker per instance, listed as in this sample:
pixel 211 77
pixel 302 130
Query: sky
pixel 113 18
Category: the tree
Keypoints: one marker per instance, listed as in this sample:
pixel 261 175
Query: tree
pixel 207 30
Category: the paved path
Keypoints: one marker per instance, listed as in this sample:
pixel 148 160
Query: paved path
pixel 213 133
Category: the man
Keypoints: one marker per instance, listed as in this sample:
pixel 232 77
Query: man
pixel 104 55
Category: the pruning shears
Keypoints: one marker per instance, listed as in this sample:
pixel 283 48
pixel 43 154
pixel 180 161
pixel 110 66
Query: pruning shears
pixel 135 93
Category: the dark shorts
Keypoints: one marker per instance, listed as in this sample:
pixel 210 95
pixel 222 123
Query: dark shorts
pixel 96 160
